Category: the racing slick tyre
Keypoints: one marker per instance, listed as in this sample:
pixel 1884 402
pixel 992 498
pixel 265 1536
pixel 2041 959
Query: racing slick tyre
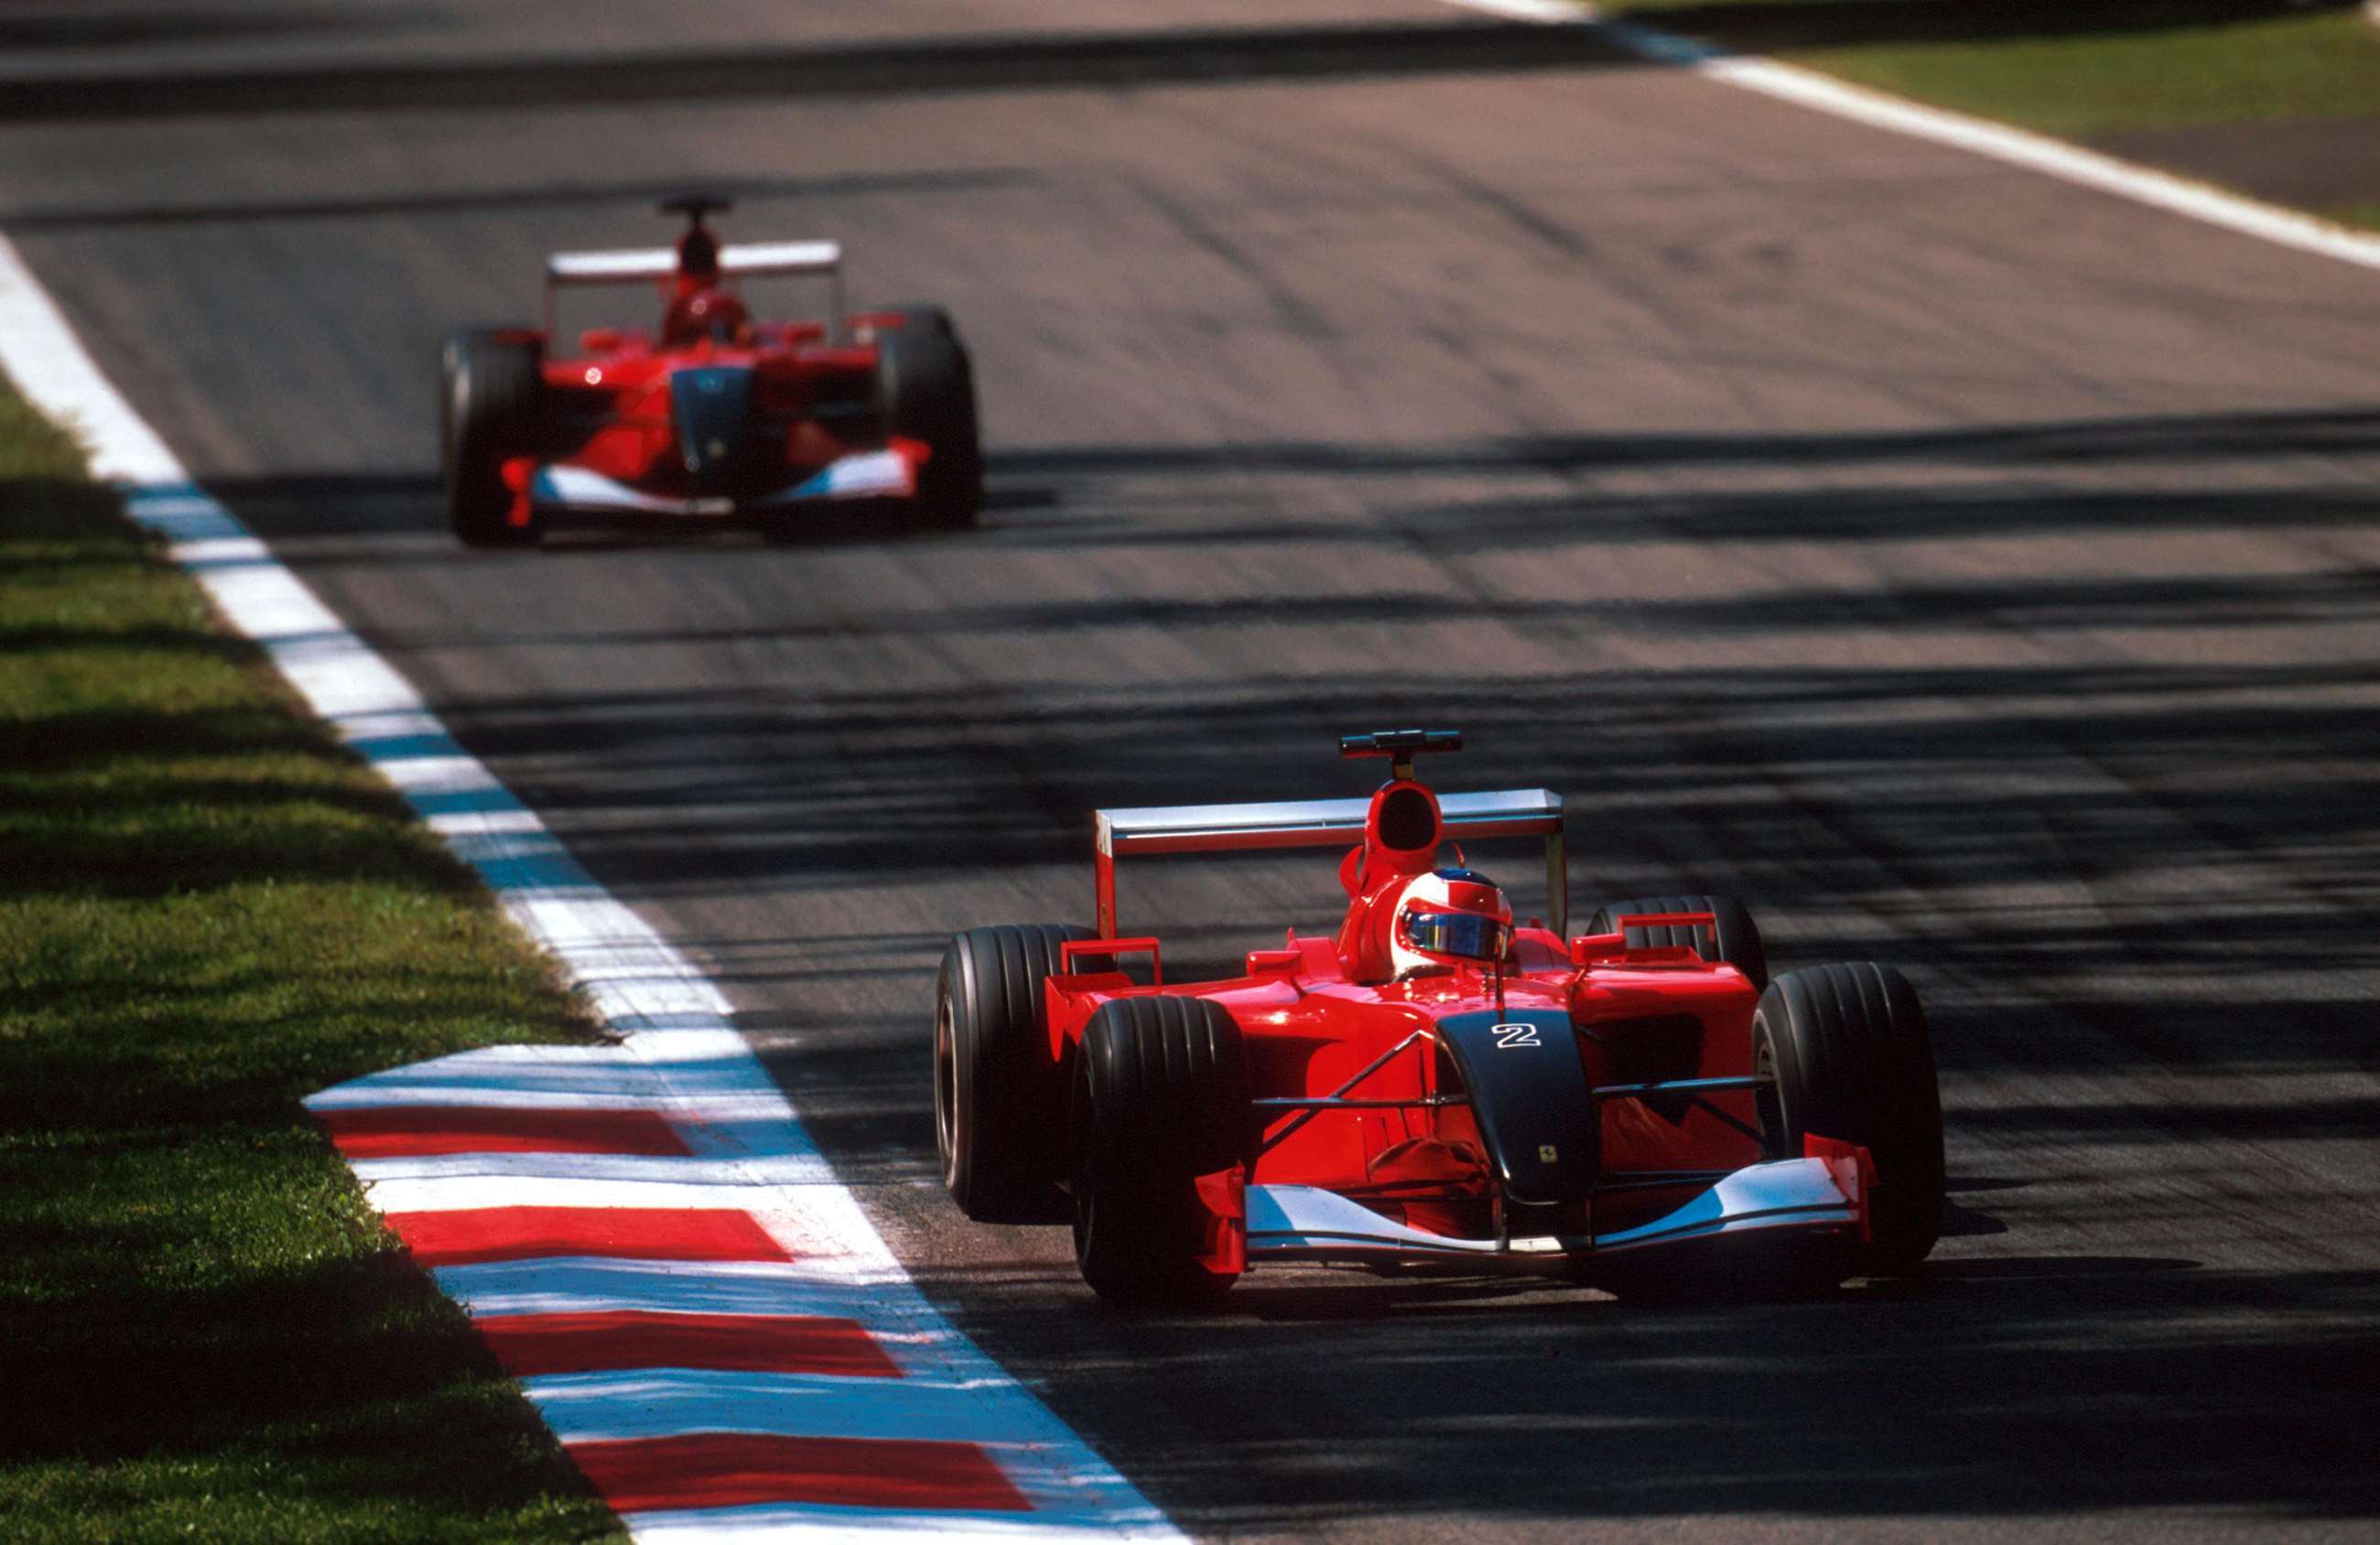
pixel 1739 938
pixel 1160 1097
pixel 927 383
pixel 999 1102
pixel 1848 1048
pixel 489 411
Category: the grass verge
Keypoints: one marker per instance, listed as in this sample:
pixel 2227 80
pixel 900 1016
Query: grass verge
pixel 207 910
pixel 2081 70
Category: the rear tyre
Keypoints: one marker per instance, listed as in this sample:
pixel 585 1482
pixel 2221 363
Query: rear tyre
pixel 1000 1099
pixel 490 411
pixel 1160 1097
pixel 1738 939
pixel 927 382
pixel 1848 1048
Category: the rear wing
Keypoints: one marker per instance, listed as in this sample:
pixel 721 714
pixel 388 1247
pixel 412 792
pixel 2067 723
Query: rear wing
pixel 736 260
pixel 661 263
pixel 1160 829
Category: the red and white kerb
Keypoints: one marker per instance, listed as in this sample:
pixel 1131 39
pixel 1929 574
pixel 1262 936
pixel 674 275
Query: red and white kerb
pixel 698 1311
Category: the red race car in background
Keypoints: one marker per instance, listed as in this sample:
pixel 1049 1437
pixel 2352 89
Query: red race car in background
pixel 1641 1106
pixel 714 415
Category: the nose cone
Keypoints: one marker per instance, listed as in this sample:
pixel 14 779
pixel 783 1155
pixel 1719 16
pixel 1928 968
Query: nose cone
pixel 711 404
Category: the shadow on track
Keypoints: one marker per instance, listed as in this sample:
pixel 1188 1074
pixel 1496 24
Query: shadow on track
pixel 2125 884
pixel 1036 477
pixel 509 200
pixel 1833 789
pixel 1013 63
pixel 2020 1387
pixel 92 24
pixel 2145 439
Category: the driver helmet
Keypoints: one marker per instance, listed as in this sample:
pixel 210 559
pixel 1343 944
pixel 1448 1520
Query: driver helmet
pixel 707 314
pixel 1448 916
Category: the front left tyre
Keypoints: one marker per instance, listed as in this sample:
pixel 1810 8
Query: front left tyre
pixel 490 407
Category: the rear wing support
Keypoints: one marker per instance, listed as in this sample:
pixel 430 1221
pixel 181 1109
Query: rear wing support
pixel 1158 829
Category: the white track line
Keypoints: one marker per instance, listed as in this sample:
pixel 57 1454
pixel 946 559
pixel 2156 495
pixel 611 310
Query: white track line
pixel 558 1186
pixel 2017 147
pixel 527 1173
pixel 678 1052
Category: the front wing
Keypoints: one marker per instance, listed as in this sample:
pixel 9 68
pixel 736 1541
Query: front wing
pixel 887 474
pixel 1824 1195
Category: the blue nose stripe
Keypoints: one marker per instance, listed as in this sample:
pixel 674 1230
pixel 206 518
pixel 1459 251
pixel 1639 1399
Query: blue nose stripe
pixel 711 404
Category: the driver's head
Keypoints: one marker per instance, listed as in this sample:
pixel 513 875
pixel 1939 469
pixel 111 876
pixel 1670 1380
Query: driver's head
pixel 706 313
pixel 1449 917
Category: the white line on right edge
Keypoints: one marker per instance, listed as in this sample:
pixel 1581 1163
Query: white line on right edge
pixel 2017 147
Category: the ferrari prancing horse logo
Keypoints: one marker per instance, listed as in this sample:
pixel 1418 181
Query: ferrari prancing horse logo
pixel 1509 1036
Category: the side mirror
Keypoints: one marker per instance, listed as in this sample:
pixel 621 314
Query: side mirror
pixel 1588 948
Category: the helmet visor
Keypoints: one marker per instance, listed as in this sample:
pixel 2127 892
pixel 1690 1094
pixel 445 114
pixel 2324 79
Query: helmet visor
pixel 1459 935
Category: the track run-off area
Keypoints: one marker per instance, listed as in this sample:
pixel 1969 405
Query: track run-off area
pixel 1969 569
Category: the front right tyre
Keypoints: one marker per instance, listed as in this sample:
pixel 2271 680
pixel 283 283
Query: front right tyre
pixel 490 410
pixel 1160 1097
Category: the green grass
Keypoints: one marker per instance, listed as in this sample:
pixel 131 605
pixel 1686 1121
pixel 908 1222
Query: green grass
pixel 2076 68
pixel 208 911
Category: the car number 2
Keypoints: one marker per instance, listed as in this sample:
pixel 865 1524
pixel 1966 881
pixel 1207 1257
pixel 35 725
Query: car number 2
pixel 1510 1036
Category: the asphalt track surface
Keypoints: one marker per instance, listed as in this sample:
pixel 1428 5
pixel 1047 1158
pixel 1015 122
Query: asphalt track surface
pixel 1970 571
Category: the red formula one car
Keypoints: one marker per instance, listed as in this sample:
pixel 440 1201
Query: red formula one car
pixel 714 415
pixel 1640 1106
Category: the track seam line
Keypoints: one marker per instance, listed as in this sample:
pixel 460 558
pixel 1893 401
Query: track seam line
pixel 678 1055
